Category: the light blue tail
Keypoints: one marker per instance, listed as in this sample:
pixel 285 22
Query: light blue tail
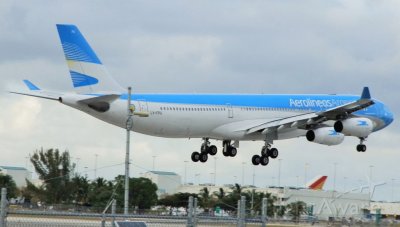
pixel 87 72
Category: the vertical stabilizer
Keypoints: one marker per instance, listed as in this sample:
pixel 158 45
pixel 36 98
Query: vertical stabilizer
pixel 87 72
pixel 317 183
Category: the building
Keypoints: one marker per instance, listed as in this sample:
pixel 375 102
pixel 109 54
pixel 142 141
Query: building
pixel 19 174
pixel 329 204
pixel 167 182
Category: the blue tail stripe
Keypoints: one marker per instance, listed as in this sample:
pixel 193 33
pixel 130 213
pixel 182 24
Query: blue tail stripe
pixel 75 46
pixel 31 86
pixel 80 80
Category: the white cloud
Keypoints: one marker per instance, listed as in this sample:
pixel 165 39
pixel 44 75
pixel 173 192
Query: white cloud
pixel 233 47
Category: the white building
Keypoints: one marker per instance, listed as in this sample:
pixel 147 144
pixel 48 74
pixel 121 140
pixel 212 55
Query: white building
pixel 167 182
pixel 329 204
pixel 19 174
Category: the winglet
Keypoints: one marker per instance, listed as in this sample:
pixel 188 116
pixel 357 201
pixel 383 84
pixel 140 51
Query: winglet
pixel 31 86
pixel 365 93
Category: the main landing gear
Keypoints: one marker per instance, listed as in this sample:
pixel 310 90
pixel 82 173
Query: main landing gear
pixel 266 152
pixel 361 147
pixel 205 150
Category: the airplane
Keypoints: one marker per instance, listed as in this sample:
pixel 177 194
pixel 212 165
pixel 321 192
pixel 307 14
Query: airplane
pixel 317 183
pixel 230 118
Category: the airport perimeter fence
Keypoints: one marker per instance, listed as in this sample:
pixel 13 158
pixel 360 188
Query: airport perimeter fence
pixel 10 217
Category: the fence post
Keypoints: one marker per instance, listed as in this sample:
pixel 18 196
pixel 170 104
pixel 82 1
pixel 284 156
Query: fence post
pixel 195 212
pixel 190 212
pixel 113 212
pixel 238 213
pixel 264 212
pixel 243 211
pixel 3 212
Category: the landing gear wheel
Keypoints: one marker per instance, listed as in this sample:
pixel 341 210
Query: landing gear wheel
pixel 212 150
pixel 232 151
pixel 203 157
pixel 256 159
pixel 273 153
pixel 225 153
pixel 264 160
pixel 361 148
pixel 195 156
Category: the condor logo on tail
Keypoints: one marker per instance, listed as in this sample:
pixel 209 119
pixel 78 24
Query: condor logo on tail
pixel 317 183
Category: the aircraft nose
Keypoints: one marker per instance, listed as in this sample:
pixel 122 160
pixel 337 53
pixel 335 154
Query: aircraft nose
pixel 388 118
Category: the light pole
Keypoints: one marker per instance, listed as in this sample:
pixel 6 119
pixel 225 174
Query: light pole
pixel 254 175
pixel 370 173
pixel 334 176
pixel 392 188
pixel 243 163
pixel 305 173
pixel 129 126
pixel 215 170
pixel 77 164
pixel 86 171
pixel 154 161
pixel 279 173
pixel 185 171
pixel 95 165
pixel 234 179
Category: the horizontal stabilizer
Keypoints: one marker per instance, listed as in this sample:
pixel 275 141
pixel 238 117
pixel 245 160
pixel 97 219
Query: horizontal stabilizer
pixel 31 86
pixel 104 98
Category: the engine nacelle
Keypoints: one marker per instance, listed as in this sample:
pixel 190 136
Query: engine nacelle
pixel 359 127
pixel 327 136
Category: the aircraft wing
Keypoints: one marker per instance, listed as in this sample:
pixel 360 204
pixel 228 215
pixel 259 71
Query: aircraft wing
pixel 304 121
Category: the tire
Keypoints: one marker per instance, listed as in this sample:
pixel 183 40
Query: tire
pixel 195 156
pixel 225 153
pixel 264 160
pixel 203 157
pixel 256 160
pixel 363 148
pixel 273 153
pixel 212 150
pixel 232 151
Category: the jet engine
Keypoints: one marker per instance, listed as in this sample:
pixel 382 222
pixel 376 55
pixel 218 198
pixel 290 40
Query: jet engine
pixel 359 127
pixel 327 136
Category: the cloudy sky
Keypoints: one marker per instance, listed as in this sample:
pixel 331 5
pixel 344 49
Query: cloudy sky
pixel 335 46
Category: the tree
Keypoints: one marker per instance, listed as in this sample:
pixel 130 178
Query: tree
pixel 100 193
pixel 296 209
pixel 6 181
pixel 205 199
pixel 53 168
pixel 80 189
pixel 142 192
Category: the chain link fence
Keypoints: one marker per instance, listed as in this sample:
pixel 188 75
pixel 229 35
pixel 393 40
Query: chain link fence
pixel 10 217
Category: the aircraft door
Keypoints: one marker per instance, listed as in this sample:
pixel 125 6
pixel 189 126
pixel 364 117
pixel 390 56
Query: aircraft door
pixel 230 110
pixel 143 107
